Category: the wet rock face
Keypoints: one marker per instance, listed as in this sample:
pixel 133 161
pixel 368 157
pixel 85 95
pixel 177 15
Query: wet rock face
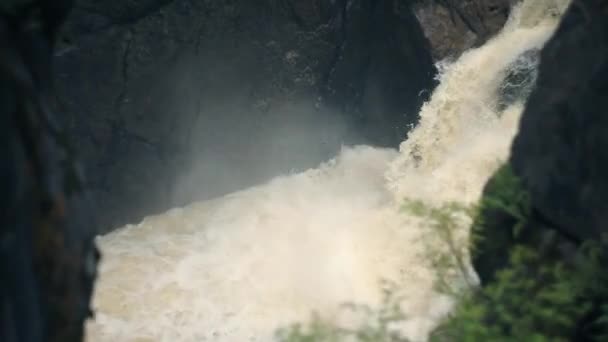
pixel 172 101
pixel 381 65
pixel 520 80
pixel 560 154
pixel 560 151
pixel 453 26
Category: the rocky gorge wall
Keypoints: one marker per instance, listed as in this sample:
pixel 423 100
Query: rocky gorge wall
pixel 453 26
pixel 171 101
pixel 559 157
pixel 562 169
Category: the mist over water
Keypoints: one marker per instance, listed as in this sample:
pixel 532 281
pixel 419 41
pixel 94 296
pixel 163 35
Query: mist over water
pixel 238 267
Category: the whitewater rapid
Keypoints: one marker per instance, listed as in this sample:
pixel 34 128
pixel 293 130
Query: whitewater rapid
pixel 241 266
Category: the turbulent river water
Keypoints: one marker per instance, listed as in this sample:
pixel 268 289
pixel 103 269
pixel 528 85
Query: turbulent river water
pixel 241 266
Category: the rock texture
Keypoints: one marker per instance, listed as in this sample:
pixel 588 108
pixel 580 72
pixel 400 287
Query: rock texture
pixel 560 157
pixel 453 26
pixel 177 100
pixel 173 101
pixel 380 60
pixel 563 169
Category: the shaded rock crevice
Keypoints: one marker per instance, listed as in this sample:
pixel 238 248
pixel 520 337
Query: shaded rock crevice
pixel 205 79
pixel 453 27
pixel 564 168
pixel 381 65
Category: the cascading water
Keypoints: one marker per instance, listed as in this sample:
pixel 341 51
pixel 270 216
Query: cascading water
pixel 237 268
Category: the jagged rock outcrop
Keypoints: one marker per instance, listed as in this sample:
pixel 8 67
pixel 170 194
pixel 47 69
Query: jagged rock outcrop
pixel 173 101
pixel 564 168
pixel 520 79
pixel 453 26
pixel 560 156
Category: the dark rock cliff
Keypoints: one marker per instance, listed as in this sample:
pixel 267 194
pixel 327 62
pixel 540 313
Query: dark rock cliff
pixel 563 169
pixel 453 26
pixel 560 156
pixel 174 101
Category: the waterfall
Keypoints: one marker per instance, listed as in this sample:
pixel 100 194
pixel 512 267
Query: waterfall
pixel 238 267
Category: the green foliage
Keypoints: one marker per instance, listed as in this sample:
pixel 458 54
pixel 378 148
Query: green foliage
pixel 316 331
pixel 446 247
pixel 532 300
pixel 505 193
pixel 375 324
